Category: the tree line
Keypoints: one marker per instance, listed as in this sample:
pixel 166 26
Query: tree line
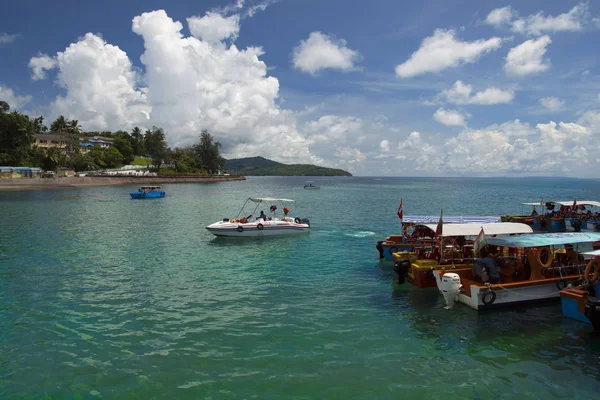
pixel 18 147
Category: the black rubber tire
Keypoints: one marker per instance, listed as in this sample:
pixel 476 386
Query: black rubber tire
pixel 485 299
pixel 240 228
pixel 259 227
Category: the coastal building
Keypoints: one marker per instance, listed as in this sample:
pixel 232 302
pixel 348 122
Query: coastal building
pixel 19 172
pixel 46 140
pixel 54 139
pixel 86 143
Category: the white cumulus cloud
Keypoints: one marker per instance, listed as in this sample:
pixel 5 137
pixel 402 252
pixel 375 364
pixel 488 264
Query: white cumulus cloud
pixel 14 101
pixel 450 117
pixel 528 57
pixel 384 146
pixel 39 65
pixel 538 24
pixel 500 16
pixel 552 103
pixel 444 50
pixel 214 28
pixel 462 93
pixel 322 51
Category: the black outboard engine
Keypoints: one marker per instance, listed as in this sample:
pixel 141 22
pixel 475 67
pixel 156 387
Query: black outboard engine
pixel 379 248
pixel 401 268
pixel 305 221
pixel 592 311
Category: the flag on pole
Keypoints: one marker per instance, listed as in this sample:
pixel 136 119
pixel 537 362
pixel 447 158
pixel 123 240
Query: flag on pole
pixel 574 205
pixel 438 229
pixel 400 212
pixel 480 241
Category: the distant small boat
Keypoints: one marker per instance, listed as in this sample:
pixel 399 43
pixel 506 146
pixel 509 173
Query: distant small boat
pixel 311 185
pixel 148 192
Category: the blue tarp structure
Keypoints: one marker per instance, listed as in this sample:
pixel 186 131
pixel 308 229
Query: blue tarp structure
pixel 545 239
pixel 427 219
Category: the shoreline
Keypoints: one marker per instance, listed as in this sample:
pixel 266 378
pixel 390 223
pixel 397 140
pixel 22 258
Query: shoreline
pixel 89 181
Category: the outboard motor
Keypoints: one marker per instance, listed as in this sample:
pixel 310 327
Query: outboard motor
pixel 379 248
pixel 305 221
pixel 401 268
pixel 450 287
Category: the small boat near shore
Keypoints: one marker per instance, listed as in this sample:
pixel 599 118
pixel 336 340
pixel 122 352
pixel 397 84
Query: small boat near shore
pixel 582 302
pixel 273 224
pixel 148 192
pixel 311 185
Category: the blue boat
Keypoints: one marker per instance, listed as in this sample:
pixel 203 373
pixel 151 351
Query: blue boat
pixel 148 192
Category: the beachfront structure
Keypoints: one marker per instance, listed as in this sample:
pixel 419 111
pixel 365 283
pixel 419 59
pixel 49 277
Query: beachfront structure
pixel 19 172
pixel 86 143
pixel 57 140
pixel 47 140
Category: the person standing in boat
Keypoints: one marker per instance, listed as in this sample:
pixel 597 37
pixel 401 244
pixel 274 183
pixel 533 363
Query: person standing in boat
pixel 486 268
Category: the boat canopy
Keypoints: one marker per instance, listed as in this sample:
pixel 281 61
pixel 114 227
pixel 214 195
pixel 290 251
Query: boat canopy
pixel 268 199
pixel 566 203
pixel 496 228
pixel 592 253
pixel 429 219
pixel 150 187
pixel 545 239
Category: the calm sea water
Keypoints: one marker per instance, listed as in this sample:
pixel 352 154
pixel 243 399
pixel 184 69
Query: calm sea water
pixel 106 297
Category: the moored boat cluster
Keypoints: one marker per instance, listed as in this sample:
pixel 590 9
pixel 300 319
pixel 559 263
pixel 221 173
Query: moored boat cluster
pixel 488 262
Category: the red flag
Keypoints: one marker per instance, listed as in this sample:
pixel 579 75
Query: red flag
pixel 438 229
pixel 400 212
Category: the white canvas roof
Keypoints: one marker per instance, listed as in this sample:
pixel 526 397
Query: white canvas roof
pixel 568 203
pixel 497 228
pixel 592 253
pixel 268 199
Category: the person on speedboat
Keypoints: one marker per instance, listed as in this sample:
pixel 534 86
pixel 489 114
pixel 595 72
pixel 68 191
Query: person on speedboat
pixel 262 215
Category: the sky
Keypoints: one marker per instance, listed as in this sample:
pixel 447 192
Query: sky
pixel 378 88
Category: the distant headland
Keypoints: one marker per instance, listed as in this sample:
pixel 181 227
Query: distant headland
pixel 260 166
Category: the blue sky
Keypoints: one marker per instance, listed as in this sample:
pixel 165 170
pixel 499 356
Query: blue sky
pixel 427 88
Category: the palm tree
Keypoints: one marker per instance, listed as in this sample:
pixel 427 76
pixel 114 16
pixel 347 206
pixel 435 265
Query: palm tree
pixel 60 125
pixel 74 127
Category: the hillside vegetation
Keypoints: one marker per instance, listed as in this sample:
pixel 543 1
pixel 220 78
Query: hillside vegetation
pixel 260 166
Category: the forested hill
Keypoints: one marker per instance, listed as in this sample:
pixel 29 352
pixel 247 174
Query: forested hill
pixel 260 166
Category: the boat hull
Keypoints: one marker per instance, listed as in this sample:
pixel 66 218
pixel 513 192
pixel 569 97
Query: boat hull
pixel 509 295
pixel 258 229
pixel 150 195
pixel 575 225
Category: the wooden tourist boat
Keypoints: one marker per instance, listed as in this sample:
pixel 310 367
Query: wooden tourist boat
pixel 581 302
pixel 571 216
pixel 417 266
pixel 404 242
pixel 530 268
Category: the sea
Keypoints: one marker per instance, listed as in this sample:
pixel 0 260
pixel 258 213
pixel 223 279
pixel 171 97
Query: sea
pixel 106 297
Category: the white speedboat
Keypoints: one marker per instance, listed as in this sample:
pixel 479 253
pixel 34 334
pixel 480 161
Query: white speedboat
pixel 275 223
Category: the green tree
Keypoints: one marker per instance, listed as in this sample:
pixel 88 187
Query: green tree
pixel 185 160
pixel 208 151
pixel 16 137
pixel 124 147
pixel 38 125
pixel 96 153
pixel 156 146
pixel 112 157
pixel 137 142
pixel 60 125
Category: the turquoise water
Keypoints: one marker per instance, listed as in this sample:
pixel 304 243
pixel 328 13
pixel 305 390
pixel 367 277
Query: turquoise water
pixel 106 297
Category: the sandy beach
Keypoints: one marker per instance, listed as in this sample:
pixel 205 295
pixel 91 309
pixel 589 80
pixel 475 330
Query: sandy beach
pixel 51 183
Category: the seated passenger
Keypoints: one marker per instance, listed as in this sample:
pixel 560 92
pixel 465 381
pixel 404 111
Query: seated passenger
pixel 262 215
pixel 486 268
